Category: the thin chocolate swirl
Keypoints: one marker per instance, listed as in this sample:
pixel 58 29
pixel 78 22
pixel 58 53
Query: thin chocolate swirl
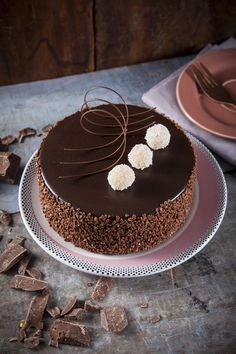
pixel 121 122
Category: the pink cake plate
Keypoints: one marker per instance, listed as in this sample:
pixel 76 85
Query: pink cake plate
pixel 210 199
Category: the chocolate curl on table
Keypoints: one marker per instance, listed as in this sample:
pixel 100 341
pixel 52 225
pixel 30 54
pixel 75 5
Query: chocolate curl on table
pixel 121 122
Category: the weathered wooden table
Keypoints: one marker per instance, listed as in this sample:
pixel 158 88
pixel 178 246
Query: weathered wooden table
pixel 197 316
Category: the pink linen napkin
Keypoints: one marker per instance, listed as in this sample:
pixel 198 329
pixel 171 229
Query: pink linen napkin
pixel 163 97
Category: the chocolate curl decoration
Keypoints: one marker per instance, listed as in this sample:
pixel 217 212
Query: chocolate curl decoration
pixel 121 122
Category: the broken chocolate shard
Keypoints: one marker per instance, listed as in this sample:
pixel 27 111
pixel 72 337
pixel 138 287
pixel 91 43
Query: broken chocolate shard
pixel 5 218
pixel 27 283
pixel 24 264
pixel 10 256
pixel 54 312
pixel 69 306
pixel 89 306
pixel 67 332
pixel 114 319
pixel 76 314
pixel 34 317
pixel 34 273
pixel 23 133
pixel 8 139
pixel 19 240
pixel 3 147
pixel 101 288
pixel 47 128
pixel 9 166
pixel 31 342
pixel 20 334
pixel 155 319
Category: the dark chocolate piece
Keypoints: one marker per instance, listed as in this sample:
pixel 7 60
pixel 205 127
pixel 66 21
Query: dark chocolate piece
pixel 3 147
pixel 20 334
pixel 8 140
pixel 34 273
pixel 114 319
pixel 24 264
pixel 67 332
pixel 47 128
pixel 89 306
pixel 1 237
pixel 23 133
pixel 35 312
pixel 54 312
pixel 5 218
pixel 27 283
pixel 9 166
pixel 31 342
pixel 76 314
pixel 101 288
pixel 69 305
pixel 155 319
pixel 10 256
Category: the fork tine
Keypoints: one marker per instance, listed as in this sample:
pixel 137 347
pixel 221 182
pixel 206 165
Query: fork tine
pixel 207 72
pixel 198 79
pixel 201 77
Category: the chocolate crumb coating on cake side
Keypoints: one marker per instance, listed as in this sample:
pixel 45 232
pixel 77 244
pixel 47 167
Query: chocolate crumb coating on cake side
pixel 119 234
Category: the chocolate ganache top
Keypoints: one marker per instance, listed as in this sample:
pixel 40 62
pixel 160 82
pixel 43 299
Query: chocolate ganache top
pixel 165 179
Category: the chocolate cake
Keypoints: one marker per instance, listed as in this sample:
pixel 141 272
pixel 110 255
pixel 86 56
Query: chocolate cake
pixel 77 199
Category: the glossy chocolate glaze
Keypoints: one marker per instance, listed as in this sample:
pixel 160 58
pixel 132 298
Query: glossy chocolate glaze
pixel 164 180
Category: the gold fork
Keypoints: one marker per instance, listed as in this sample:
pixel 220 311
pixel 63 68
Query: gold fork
pixel 208 84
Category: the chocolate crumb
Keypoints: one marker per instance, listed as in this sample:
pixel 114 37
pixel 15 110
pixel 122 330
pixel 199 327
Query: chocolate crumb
pixel 144 306
pixel 89 306
pixel 27 283
pixel 69 305
pixel 101 288
pixel 5 218
pixel 24 264
pixel 54 311
pixel 34 273
pixel 47 128
pixel 10 256
pixel 68 332
pixel 113 318
pixel 1 237
pixel 31 342
pixel 76 314
pixel 23 133
pixel 8 140
pixel 155 319
pixel 89 285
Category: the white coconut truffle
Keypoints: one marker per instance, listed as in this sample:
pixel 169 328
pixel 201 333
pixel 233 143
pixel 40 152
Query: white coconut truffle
pixel 157 137
pixel 121 177
pixel 140 156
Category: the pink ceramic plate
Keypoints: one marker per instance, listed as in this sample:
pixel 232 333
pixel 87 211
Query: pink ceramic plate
pixel 206 215
pixel 214 117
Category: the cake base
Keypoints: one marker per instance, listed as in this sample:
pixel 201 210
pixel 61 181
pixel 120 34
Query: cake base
pixel 118 235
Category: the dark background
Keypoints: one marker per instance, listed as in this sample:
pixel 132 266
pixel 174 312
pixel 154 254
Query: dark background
pixel 42 39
